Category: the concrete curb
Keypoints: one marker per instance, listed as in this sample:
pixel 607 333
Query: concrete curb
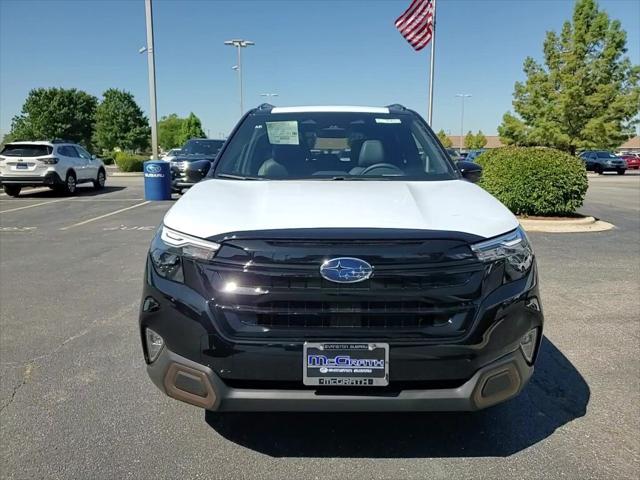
pixel 565 225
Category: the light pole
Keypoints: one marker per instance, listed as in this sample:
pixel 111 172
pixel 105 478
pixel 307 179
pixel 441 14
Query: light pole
pixel 462 97
pixel 240 44
pixel 152 78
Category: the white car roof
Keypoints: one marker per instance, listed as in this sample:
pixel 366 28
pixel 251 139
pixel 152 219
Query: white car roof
pixel 330 108
pixel 35 142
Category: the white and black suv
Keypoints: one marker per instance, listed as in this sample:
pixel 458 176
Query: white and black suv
pixel 337 259
pixel 55 164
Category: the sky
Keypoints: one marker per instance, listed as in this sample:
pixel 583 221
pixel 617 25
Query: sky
pixel 310 52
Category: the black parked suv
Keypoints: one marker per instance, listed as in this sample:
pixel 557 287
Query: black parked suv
pixel 335 258
pixel 193 162
pixel 601 161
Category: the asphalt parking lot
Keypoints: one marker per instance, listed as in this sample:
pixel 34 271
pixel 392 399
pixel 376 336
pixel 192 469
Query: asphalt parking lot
pixel 76 402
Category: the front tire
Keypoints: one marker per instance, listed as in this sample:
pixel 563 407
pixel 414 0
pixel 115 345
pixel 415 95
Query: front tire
pixel 70 184
pixel 621 171
pixel 598 170
pixel 100 180
pixel 12 190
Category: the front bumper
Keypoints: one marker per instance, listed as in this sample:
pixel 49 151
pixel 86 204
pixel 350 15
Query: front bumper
pixel 51 178
pixel 202 365
pixel 198 385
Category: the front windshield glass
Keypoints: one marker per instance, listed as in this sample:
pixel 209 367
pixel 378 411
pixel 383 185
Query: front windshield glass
pixel 605 155
pixel 202 147
pixel 334 145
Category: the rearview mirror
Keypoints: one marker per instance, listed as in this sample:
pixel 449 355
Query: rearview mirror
pixel 471 171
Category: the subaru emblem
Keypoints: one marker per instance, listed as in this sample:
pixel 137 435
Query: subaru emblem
pixel 153 168
pixel 346 270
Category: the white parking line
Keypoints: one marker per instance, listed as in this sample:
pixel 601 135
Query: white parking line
pixel 77 199
pixel 33 190
pixel 35 205
pixel 105 215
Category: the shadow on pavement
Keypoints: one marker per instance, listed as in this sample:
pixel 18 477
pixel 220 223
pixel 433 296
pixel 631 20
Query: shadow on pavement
pixel 556 395
pixel 82 191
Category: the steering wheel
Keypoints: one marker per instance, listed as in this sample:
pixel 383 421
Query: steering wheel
pixel 392 169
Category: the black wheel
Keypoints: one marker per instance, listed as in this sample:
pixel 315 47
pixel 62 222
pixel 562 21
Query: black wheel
pixel 621 171
pixel 70 185
pixel 98 183
pixel 598 170
pixel 12 190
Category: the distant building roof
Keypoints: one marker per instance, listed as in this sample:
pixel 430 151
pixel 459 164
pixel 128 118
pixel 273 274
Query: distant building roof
pixel 631 144
pixel 493 141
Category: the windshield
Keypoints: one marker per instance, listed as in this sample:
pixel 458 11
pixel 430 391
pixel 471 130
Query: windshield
pixel 334 145
pixel 605 155
pixel 202 147
pixel 26 150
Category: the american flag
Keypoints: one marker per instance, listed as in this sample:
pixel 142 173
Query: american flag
pixel 416 23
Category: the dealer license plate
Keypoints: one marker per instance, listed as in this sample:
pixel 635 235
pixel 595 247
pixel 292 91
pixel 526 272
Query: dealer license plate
pixel 346 364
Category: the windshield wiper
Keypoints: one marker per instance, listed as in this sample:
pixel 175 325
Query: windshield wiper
pixel 235 177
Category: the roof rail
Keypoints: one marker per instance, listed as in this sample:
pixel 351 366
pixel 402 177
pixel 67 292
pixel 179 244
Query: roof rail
pixel 60 140
pixel 396 107
pixel 265 106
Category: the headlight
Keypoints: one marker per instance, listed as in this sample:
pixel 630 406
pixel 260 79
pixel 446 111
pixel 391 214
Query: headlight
pixel 169 248
pixel 514 248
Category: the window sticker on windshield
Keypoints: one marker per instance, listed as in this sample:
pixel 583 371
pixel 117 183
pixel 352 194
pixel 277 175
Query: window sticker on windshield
pixel 388 120
pixel 283 133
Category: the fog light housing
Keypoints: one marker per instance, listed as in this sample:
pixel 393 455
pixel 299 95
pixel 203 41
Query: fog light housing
pixel 528 344
pixel 154 344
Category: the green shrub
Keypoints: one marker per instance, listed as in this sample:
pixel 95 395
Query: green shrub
pixel 534 180
pixel 107 158
pixel 128 162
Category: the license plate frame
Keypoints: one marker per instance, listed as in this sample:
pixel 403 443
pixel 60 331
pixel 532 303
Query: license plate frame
pixel 345 364
pixel 22 166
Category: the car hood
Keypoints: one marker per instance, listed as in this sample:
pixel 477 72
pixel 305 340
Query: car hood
pixel 194 157
pixel 214 207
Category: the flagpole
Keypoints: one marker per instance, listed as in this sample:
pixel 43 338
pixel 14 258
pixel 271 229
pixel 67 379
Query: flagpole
pixel 432 62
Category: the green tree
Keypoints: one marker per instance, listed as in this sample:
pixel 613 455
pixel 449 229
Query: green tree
pixel 474 142
pixel 191 128
pixel 170 131
pixel 586 94
pixel 513 131
pixel 120 122
pixel 480 140
pixel 444 139
pixel 49 113
pixel 469 140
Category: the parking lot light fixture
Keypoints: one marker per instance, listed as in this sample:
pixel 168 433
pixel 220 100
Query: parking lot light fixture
pixel 149 49
pixel 239 44
pixel 462 96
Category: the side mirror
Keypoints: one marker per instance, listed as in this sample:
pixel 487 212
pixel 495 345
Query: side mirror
pixel 93 157
pixel 471 171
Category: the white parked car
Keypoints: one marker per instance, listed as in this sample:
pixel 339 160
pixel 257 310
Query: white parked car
pixel 55 164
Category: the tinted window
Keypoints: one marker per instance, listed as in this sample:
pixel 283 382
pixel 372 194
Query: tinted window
pixel 67 151
pixel 26 150
pixel 202 147
pixel 82 152
pixel 605 155
pixel 347 145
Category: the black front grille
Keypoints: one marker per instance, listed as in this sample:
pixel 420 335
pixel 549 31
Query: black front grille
pixel 418 289
pixel 374 315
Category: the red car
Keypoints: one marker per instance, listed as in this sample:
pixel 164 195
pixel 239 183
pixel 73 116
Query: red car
pixel 633 161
